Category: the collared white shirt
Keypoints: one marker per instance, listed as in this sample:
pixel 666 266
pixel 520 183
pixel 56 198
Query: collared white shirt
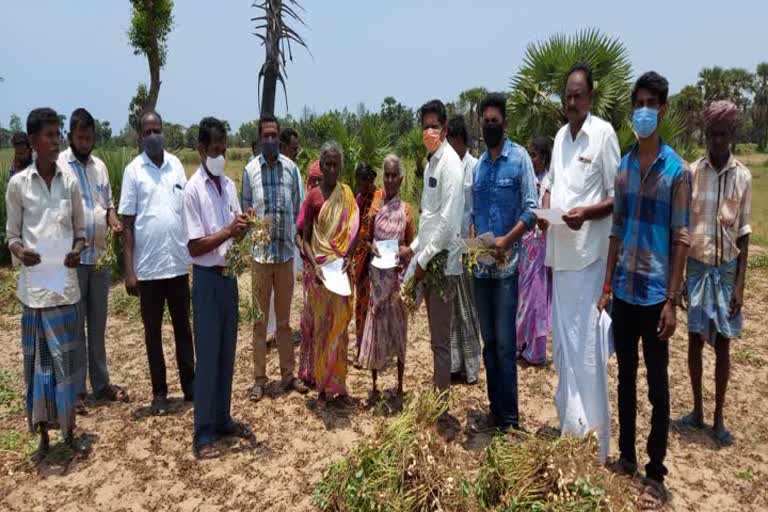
pixel 442 210
pixel 206 212
pixel 155 196
pixel 469 163
pixel 582 173
pixel 36 213
pixel 93 179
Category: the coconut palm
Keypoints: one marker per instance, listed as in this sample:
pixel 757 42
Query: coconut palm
pixel 535 106
pixel 714 84
pixel 411 148
pixel 276 39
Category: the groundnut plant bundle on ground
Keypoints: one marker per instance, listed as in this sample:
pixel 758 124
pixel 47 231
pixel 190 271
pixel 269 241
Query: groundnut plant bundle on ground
pixel 239 260
pixel 408 467
pixel 559 474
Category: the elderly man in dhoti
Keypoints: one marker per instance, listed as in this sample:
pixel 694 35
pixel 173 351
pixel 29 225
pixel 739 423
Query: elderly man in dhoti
pixel 717 261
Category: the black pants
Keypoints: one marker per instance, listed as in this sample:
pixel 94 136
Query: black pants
pixel 153 296
pixel 631 322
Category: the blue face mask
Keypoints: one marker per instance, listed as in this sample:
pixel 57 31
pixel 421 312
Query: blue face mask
pixel 645 120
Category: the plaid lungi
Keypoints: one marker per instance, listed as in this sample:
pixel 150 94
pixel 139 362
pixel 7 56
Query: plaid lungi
pixel 709 298
pixel 465 331
pixel 49 338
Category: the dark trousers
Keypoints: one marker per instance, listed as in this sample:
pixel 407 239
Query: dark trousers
pixel 214 308
pixel 153 296
pixel 496 301
pixel 630 323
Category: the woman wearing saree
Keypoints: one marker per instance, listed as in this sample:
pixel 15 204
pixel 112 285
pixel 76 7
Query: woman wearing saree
pixel 331 221
pixel 306 359
pixel 366 194
pixel 385 332
pixel 534 310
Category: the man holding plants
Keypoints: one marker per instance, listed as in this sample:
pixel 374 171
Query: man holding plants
pixel 92 177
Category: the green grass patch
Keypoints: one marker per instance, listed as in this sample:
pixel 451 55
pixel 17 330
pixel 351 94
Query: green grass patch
pixel 21 443
pixel 745 474
pixel 123 305
pixel 747 357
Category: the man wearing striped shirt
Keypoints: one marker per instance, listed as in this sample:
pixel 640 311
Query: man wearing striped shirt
pixel 91 174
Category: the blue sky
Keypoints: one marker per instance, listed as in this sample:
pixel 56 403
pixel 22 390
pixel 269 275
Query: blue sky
pixel 73 53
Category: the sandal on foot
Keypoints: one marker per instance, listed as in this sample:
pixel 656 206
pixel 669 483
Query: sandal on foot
pixel 654 495
pixel 237 429
pixel 622 466
pixel 722 436
pixel 257 393
pixel 690 422
pixel 80 408
pixel 113 393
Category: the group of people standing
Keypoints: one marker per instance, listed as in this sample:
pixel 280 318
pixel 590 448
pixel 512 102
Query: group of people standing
pixel 627 236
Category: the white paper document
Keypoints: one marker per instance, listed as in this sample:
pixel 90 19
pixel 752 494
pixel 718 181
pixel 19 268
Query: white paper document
pixel 554 216
pixel 388 254
pixel 335 279
pixel 50 274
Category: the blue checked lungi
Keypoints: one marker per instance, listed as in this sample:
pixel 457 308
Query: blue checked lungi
pixel 49 338
pixel 709 297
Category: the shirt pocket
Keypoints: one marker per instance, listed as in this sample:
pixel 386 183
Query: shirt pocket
pixel 582 176
pixel 63 214
pixel 507 190
pixel 431 192
pixel 729 212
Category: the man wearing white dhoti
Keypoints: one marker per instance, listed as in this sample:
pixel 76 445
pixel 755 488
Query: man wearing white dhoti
pixel 585 157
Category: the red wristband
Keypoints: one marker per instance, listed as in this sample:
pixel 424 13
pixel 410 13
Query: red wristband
pixel 606 288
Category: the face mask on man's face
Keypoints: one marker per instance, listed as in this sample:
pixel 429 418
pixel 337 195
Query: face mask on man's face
pixel 270 149
pixel 645 121
pixel 216 165
pixel 153 144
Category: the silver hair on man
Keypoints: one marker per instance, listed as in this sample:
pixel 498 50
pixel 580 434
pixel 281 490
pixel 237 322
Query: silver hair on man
pixel 392 160
pixel 331 147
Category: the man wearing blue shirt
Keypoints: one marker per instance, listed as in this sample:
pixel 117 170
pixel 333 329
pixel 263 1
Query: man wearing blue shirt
pixel 504 193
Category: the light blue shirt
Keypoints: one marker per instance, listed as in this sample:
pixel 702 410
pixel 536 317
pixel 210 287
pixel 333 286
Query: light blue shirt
pixel 504 193
pixel 155 196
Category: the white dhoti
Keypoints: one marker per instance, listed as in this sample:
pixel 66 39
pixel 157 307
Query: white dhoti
pixel 581 354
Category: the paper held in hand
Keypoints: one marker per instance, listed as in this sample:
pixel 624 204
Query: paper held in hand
pixel 335 279
pixel 50 274
pixel 388 254
pixel 554 216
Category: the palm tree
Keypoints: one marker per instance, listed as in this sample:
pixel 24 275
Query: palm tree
pixel 714 84
pixel 689 102
pixel 276 39
pixel 411 148
pixel 469 102
pixel 535 106
pixel 760 105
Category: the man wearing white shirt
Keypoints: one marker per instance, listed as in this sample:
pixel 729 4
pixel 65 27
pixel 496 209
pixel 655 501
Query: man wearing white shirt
pixel 442 207
pixel 156 256
pixel 585 159
pixel 465 326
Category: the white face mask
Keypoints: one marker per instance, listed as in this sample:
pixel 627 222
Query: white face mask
pixel 216 165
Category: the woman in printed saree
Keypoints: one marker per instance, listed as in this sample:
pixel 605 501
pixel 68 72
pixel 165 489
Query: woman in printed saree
pixel 534 310
pixel 385 333
pixel 331 221
pixel 366 194
pixel 306 359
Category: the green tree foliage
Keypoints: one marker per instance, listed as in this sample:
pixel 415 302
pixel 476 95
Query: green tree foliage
pixel 536 101
pixel 469 105
pixel 15 124
pixel 137 105
pixel 760 105
pixel 190 137
pixel 398 117
pixel 151 22
pixel 248 133
pixel 103 132
pixel 174 135
pixel 689 102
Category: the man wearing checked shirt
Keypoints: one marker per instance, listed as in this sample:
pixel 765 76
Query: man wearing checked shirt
pixel 91 174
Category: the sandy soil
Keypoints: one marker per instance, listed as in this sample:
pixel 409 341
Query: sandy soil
pixel 140 462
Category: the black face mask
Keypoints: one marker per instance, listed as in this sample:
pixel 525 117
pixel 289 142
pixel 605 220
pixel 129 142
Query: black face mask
pixel 492 134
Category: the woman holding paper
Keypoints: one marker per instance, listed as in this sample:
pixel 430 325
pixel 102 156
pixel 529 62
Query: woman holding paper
pixel 331 221
pixel 390 233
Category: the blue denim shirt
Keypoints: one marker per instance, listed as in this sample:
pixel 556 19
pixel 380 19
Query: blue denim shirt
pixel 504 192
